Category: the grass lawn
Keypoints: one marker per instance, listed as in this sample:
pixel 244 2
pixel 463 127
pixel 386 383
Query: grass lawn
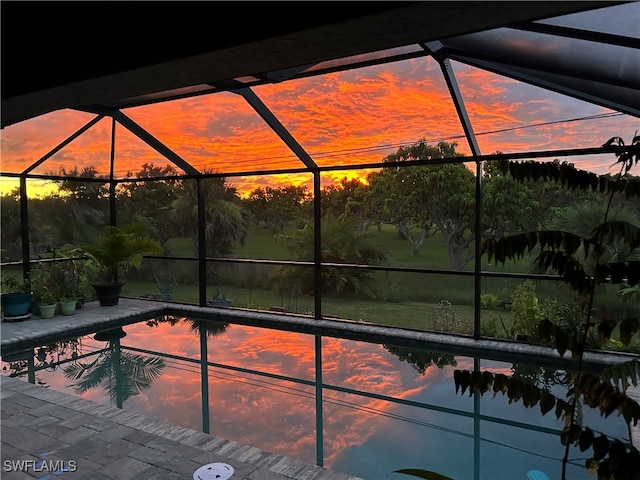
pixel 262 244
pixel 181 247
pixel 413 300
pixel 411 286
pixel 431 253
pixel 408 314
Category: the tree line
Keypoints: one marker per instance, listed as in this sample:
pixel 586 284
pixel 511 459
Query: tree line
pixel 418 200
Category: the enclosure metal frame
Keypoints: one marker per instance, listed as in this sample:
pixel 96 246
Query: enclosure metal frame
pixel 462 48
pixel 310 167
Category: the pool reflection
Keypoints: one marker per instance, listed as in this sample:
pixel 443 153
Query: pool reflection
pixel 120 373
pixel 382 408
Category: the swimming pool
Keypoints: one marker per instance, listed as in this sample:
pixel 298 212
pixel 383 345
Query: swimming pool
pixel 363 408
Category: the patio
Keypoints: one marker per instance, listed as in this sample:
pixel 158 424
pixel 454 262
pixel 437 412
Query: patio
pixel 82 439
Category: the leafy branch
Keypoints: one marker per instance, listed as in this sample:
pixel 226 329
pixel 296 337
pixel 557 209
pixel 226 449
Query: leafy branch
pixel 572 178
pixel 583 263
pixel 610 458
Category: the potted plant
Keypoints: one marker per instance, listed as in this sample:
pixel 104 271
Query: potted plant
pixel 75 271
pixel 15 299
pixel 68 281
pixel 115 250
pixel 47 304
pixel 55 282
pixel 43 283
pixel 67 305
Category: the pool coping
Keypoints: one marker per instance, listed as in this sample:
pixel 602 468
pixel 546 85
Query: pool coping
pixel 15 336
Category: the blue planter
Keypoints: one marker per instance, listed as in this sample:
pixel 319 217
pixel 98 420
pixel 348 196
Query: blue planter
pixel 16 304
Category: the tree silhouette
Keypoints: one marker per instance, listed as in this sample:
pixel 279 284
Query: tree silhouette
pixel 226 222
pixel 421 359
pixel 341 244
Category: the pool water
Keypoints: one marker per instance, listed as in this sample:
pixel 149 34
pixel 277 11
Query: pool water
pixel 383 407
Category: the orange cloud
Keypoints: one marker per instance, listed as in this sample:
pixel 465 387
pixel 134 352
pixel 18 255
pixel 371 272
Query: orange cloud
pixel 343 118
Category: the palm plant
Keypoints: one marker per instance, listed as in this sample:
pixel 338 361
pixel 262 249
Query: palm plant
pixel 341 244
pixel 117 249
pixel 212 327
pixel 87 199
pixel 583 219
pixel 226 222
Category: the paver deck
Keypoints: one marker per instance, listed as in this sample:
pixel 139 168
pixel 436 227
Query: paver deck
pixel 48 434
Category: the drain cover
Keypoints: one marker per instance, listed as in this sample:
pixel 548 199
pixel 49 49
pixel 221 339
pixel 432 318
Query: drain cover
pixel 537 475
pixel 213 471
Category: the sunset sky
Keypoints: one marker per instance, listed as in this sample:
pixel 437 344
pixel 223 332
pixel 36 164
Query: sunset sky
pixel 351 117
